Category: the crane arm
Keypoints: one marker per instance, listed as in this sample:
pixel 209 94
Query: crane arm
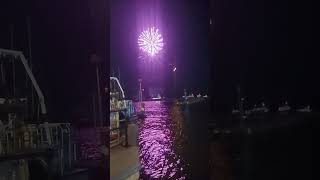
pixel 116 79
pixel 30 75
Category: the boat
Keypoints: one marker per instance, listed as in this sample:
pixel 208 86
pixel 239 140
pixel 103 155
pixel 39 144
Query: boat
pixel 306 109
pixel 157 98
pixel 261 109
pixel 23 135
pixel 235 111
pixel 284 108
pixel 122 111
pixel 191 99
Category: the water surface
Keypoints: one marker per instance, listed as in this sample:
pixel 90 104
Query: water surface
pixel 167 142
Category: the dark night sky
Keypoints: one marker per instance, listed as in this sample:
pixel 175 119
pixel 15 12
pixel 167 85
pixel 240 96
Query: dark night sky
pixel 185 28
pixel 63 37
pixel 265 46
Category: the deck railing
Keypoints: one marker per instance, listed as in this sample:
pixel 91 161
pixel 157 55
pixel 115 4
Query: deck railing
pixel 34 137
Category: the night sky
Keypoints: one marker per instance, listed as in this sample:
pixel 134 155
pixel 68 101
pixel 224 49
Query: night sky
pixel 266 47
pixel 185 29
pixel 64 34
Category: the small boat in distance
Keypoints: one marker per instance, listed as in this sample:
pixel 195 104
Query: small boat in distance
pixel 158 98
pixel 305 109
pixel 235 111
pixel 262 109
pixel 191 99
pixel 284 108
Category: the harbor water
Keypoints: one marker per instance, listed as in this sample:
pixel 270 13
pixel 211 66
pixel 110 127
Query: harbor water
pixel 276 147
pixel 174 144
pixel 172 141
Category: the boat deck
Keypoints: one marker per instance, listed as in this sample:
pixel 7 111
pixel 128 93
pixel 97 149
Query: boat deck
pixel 26 154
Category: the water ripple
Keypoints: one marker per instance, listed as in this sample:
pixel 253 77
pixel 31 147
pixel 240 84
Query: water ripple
pixel 160 138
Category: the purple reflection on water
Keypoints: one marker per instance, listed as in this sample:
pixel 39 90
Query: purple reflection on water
pixel 88 141
pixel 160 138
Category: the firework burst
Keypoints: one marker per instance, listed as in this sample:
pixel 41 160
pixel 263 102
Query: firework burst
pixel 150 41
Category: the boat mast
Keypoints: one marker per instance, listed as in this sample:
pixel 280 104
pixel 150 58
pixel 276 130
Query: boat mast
pixel 13 63
pixel 240 102
pixel 3 79
pixel 31 65
pixel 140 90
pixel 119 74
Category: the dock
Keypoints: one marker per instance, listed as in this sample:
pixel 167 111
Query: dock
pixel 124 163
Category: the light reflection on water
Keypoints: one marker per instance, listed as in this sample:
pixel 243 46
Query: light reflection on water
pixel 161 142
pixel 89 142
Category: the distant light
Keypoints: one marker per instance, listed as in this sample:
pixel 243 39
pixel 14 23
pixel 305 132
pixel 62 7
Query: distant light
pixel 174 69
pixel 210 21
pixel 151 41
pixel 156 98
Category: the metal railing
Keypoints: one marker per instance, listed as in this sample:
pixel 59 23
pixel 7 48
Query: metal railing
pixel 34 137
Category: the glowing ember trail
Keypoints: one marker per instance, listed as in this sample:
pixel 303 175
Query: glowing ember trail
pixel 150 41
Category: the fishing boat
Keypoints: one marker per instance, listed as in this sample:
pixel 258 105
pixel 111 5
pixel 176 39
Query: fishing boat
pixel 23 135
pixel 122 111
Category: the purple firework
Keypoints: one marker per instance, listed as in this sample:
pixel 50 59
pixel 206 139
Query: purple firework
pixel 150 41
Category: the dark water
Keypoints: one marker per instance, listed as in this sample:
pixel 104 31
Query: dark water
pixel 280 152
pixel 170 144
pixel 88 142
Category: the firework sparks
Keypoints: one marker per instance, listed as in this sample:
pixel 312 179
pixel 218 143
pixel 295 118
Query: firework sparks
pixel 150 41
